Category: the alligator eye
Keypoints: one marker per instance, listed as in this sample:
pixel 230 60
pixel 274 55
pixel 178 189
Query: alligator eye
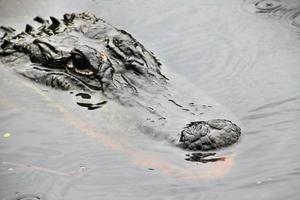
pixel 80 64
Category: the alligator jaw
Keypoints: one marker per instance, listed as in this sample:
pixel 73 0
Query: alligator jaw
pixel 59 79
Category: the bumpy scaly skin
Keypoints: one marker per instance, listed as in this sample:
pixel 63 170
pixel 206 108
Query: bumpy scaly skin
pixel 208 135
pixel 115 59
pixel 84 52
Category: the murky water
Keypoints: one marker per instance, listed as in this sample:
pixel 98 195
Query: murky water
pixel 243 54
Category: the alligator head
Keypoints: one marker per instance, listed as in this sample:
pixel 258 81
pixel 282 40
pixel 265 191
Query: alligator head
pixel 80 51
pixel 83 52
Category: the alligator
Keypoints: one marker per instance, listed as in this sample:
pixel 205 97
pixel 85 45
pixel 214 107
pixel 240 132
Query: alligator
pixel 84 53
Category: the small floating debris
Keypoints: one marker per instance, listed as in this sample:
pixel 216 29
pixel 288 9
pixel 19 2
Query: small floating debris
pixel 82 169
pixel 6 135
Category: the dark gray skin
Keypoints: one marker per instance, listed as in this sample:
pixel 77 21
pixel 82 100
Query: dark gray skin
pixel 212 134
pixel 82 52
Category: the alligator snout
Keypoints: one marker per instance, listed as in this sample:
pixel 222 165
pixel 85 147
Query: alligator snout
pixel 209 135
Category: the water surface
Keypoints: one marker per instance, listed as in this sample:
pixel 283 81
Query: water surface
pixel 243 54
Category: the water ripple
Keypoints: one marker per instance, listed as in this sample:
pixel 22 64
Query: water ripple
pixel 285 13
pixel 275 104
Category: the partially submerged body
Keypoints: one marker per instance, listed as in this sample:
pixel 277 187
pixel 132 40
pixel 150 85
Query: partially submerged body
pixel 82 52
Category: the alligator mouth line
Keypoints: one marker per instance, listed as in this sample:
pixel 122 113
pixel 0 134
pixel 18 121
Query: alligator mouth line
pixel 53 75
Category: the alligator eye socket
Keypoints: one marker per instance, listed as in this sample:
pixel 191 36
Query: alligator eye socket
pixel 80 64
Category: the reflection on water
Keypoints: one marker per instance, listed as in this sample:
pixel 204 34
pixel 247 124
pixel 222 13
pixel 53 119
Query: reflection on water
pixel 244 54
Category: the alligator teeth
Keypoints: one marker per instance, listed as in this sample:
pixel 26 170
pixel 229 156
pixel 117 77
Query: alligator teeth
pixel 89 73
pixel 84 72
